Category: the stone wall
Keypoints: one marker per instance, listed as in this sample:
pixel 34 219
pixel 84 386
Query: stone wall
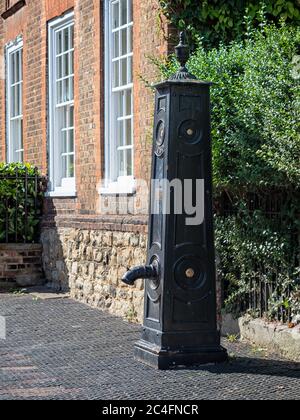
pixel 90 264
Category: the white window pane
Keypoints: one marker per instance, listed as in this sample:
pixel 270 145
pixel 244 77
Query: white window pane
pixel 64 117
pixel 12 102
pixel 59 67
pixel 71 58
pixel 130 42
pixel 66 40
pixel 66 90
pixel 71 116
pixel 64 141
pixel 71 166
pixel 121 162
pixel 128 124
pixel 71 37
pixel 129 76
pixel 17 63
pixel 14 60
pixel 116 44
pixel 12 69
pixel 124 42
pixel 59 42
pixel 21 136
pixel 21 99
pixel 128 102
pixel 120 134
pixel 13 133
pixel 129 161
pixel 123 12
pixel 116 74
pixel 64 163
pixel 120 104
pixel 115 15
pixel 65 60
pixel 71 141
pixel 18 100
pixel 59 93
pixel 130 11
pixel 20 65
pixel 124 72
pixel 71 88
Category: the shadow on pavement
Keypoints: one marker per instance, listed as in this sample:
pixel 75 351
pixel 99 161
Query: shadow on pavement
pixel 252 366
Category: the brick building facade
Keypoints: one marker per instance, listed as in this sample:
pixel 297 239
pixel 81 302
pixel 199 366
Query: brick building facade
pixel 73 101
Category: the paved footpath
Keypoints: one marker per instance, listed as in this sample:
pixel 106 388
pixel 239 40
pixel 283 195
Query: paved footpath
pixel 61 349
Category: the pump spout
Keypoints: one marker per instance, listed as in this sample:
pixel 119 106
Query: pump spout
pixel 150 272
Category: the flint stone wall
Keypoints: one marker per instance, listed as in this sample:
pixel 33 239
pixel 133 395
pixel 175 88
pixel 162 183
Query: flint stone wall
pixel 90 264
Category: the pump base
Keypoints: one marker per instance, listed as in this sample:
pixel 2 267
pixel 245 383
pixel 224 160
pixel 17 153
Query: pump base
pixel 153 356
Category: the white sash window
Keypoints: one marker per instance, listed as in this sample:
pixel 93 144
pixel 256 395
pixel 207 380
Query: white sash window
pixel 14 60
pixel 119 96
pixel 61 106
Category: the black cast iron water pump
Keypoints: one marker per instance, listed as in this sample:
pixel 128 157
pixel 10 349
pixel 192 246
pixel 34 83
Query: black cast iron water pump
pixel 180 322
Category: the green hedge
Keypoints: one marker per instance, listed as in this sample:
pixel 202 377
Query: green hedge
pixel 224 20
pixel 256 148
pixel 255 98
pixel 15 203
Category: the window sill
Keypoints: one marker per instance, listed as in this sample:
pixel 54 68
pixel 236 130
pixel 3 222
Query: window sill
pixel 61 194
pixel 13 9
pixel 124 186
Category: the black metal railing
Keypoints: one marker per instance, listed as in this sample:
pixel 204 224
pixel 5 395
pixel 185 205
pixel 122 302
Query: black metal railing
pixel 265 295
pixel 267 299
pixel 21 200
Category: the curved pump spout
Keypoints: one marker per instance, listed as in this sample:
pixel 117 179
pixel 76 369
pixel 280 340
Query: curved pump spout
pixel 150 272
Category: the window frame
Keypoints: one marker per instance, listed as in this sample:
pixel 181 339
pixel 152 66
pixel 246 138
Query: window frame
pixel 11 49
pixel 115 184
pixel 68 185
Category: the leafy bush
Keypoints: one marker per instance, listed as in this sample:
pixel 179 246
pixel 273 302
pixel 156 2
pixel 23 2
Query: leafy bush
pixel 20 212
pixel 255 100
pixel 256 148
pixel 222 20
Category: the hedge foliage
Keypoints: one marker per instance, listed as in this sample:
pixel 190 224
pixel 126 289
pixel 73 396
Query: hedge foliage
pixel 256 148
pixel 256 105
pixel 223 20
pixel 14 203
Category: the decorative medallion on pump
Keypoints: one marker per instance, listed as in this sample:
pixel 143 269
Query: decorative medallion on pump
pixel 190 273
pixel 189 132
pixel 160 138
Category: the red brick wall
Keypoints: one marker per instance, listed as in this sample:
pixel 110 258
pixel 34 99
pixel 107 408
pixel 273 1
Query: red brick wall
pixel 19 262
pixel 2 99
pixel 89 94
pixel 34 67
pixel 150 38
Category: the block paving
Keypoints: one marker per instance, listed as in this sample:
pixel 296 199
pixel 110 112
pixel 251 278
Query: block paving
pixel 60 349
